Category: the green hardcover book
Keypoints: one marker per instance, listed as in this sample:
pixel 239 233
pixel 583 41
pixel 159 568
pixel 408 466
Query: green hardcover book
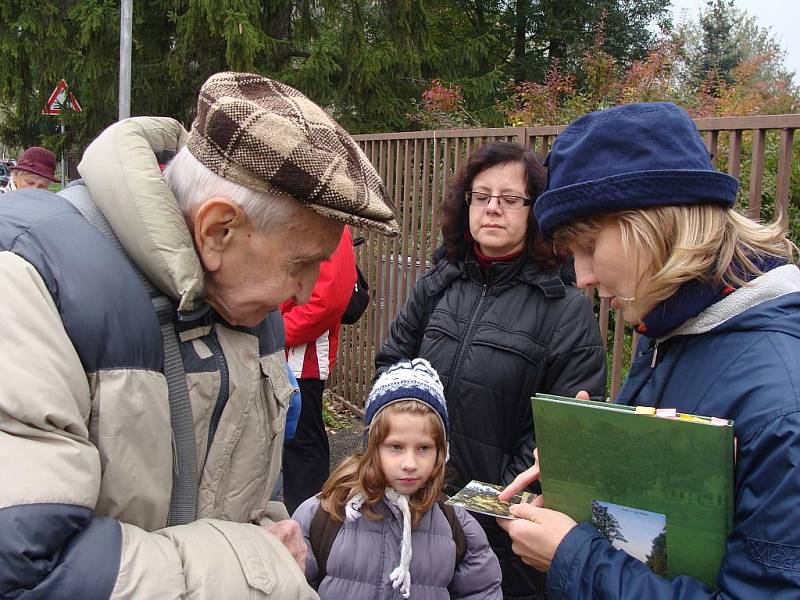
pixel 658 487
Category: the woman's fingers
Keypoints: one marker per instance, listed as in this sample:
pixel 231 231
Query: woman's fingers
pixel 521 481
pixel 536 533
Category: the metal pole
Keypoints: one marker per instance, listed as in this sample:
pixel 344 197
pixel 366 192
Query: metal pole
pixel 63 158
pixel 125 35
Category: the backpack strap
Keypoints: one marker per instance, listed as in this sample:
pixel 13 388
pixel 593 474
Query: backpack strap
pixel 321 535
pixel 458 531
pixel 183 502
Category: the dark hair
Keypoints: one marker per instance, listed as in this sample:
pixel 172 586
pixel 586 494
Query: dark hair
pixel 455 219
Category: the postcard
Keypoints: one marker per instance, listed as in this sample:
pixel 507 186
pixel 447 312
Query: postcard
pixel 640 533
pixel 480 497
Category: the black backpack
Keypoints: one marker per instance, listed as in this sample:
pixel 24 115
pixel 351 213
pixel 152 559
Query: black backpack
pixel 324 529
pixel 359 300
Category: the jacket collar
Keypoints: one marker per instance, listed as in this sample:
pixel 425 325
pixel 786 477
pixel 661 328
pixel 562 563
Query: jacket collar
pixel 769 286
pixel 504 274
pixel 121 171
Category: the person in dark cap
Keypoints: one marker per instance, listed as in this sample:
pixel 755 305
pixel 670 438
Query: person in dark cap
pixel 96 505
pixel 633 195
pixel 35 168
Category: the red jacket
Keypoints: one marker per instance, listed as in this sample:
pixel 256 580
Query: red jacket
pixel 312 329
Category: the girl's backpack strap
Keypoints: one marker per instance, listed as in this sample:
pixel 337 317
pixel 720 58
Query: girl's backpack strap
pixel 458 532
pixel 321 535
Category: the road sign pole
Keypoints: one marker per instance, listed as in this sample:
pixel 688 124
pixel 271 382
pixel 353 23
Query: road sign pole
pixel 63 157
pixel 62 99
pixel 125 34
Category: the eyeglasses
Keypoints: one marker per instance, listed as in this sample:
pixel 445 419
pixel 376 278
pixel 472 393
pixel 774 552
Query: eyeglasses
pixel 506 202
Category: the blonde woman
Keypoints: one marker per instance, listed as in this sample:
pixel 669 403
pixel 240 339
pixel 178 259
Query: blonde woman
pixel 633 196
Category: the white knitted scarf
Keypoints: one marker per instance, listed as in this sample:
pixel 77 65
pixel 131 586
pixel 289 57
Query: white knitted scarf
pixel 401 575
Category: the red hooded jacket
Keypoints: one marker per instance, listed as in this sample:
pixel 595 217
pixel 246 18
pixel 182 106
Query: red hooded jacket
pixel 312 329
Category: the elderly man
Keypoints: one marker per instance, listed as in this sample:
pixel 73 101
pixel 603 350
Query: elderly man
pixel 92 463
pixel 35 169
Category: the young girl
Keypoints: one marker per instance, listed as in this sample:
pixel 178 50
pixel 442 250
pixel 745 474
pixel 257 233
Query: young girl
pixel 394 536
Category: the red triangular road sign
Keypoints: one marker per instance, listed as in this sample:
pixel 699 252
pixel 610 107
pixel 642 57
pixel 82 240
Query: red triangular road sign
pixel 61 97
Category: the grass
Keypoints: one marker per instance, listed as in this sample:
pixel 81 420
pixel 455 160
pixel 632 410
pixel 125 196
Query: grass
pixel 334 415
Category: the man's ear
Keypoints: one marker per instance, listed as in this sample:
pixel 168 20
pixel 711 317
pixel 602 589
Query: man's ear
pixel 217 223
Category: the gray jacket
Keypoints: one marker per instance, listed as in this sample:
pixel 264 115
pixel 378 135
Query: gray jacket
pixel 366 551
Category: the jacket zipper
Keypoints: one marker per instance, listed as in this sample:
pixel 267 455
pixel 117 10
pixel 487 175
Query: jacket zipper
pixel 460 351
pixel 655 356
pixel 222 397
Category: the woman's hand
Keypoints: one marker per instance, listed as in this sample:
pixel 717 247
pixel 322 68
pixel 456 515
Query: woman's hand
pixel 532 474
pixel 522 481
pixel 536 533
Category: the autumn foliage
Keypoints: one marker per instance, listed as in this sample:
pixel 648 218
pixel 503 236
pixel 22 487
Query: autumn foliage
pixel 600 82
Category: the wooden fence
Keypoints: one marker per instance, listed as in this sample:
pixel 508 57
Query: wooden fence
pixel 416 167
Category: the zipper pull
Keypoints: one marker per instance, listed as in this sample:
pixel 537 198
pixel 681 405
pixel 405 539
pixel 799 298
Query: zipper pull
pixel 655 356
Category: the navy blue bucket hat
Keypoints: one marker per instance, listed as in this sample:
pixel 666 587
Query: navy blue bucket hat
pixel 629 157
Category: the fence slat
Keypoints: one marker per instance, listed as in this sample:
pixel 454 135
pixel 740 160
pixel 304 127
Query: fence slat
pixel 429 210
pixel 784 172
pixel 757 173
pixel 458 144
pixel 438 200
pixel 407 229
pixel 392 264
pixel 603 321
pixel 735 153
pixel 712 140
pixel 416 240
pixel 618 352
pixel 384 249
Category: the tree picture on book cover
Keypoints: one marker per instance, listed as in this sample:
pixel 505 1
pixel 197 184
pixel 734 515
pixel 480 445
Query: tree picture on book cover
pixel 657 559
pixel 606 523
pixel 640 533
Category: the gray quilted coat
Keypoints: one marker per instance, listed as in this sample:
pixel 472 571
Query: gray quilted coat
pixel 366 551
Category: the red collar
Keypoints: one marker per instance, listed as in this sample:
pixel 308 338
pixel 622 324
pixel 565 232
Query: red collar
pixel 485 261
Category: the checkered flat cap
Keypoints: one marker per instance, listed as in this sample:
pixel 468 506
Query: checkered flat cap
pixel 269 137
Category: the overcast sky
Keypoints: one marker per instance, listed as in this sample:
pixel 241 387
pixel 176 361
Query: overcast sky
pixel 781 16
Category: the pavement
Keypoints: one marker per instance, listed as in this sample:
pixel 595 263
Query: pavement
pixel 345 441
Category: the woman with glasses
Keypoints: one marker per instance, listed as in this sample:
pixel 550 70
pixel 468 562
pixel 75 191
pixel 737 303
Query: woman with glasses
pixel 498 321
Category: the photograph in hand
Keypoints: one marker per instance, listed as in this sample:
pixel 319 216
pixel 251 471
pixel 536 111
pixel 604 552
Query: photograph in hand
pixel 480 497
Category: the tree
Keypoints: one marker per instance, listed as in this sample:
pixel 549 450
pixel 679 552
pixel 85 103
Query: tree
pixel 569 28
pixel 750 78
pixel 657 559
pixel 720 52
pixel 366 61
pixel 606 523
pixel 78 41
pixel 487 46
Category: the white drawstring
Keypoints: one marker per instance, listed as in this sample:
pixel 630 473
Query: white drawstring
pixel 353 506
pixel 401 575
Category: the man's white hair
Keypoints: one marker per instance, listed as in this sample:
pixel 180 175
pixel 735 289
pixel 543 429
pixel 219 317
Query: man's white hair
pixel 193 183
